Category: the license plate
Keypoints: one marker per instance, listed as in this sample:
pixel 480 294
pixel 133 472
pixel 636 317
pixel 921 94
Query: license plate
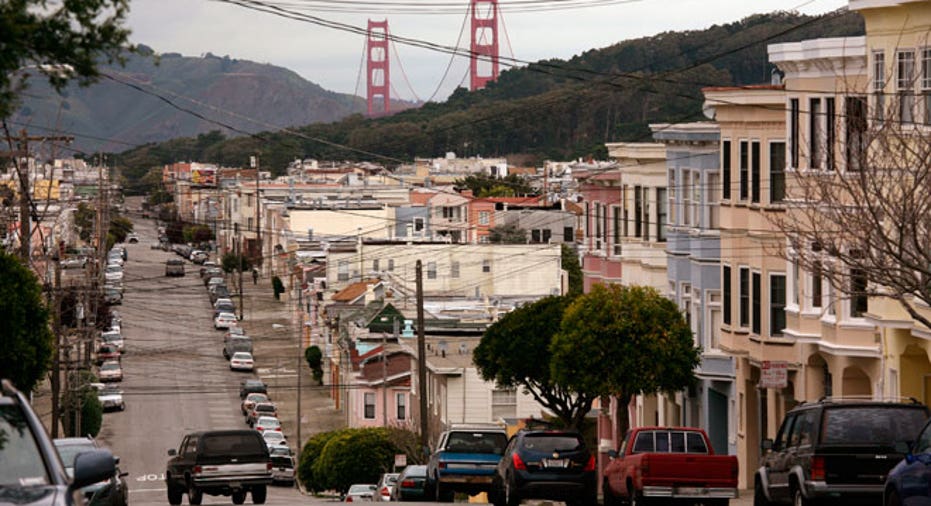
pixel 555 463
pixel 691 490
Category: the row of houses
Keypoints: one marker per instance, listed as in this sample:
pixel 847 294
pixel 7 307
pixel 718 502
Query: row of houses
pixel 697 214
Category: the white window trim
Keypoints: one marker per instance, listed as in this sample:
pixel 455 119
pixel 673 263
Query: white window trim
pixel 739 323
pixel 769 303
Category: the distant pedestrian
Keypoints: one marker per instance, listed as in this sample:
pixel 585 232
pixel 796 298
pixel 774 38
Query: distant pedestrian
pixel 255 276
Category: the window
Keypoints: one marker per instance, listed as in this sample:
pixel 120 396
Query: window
pixel 402 406
pixel 793 131
pixel 390 264
pixel 646 213
pixel 638 211
pixel 744 170
pixel 856 132
pixel 757 302
pixel 696 198
pixel 777 171
pixel 830 132
pixel 486 265
pixel 342 270
pixel 726 168
pixel 375 265
pixel 755 171
pixel 454 269
pixel 547 235
pixel 686 197
pixel 672 197
pixel 777 304
pixel 744 297
pixel 369 406
pixel 624 215
pixel 859 302
pixel 816 279
pixel 661 217
pixel 484 218
pixel 431 270
pixel 814 133
pixel 926 84
pixel 879 83
pixel 567 234
pixel 726 290
pixel 616 229
pixel 418 224
pixel 503 403
pixel 905 83
pixel 535 236
pixel 598 208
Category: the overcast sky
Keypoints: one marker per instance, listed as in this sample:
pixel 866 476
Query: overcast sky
pixel 333 58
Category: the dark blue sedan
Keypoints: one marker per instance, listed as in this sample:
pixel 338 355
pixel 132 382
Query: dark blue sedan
pixel 909 482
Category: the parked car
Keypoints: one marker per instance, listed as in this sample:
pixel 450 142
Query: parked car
pixel 132 238
pixel 224 321
pixel 359 492
pixel 209 264
pixel 261 409
pixel 77 262
pixel 110 397
pixel 110 370
pixel 107 352
pixel 385 486
pixel 465 460
pixel 250 386
pixel 677 463
pixel 273 438
pixel 241 361
pixel 113 273
pixel 544 464
pixel 837 450
pixel 223 306
pixel 264 423
pixel 235 344
pixel 251 400
pixel 909 482
pixel 411 484
pixel 216 280
pixel 110 491
pixel 222 462
pixel 112 295
pixel 113 337
pixel 282 464
pixel 210 273
pixel 218 292
pixel 198 256
pixel 174 267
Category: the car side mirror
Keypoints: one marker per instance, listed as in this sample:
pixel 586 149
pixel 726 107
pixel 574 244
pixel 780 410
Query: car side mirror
pixel 904 448
pixel 767 444
pixel 116 460
pixel 91 467
pixel 613 454
pixel 172 452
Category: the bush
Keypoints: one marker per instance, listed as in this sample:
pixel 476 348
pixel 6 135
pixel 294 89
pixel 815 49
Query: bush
pixel 277 287
pixel 91 409
pixel 313 356
pixel 308 457
pixel 231 262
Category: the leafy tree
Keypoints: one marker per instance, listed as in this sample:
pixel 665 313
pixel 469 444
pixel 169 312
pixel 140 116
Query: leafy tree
pixel 309 454
pixel 120 227
pixel 314 358
pixel 483 185
pixel 231 262
pixel 507 234
pixel 84 218
pixel 354 456
pixel 515 352
pixel 623 341
pixel 91 408
pixel 196 234
pixel 277 287
pixel 570 263
pixel 24 324
pixel 41 39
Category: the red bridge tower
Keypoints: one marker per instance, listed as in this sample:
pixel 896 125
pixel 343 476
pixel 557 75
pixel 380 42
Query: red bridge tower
pixel 376 69
pixel 484 43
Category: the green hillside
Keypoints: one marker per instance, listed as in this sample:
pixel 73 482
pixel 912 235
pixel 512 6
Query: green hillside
pixel 551 109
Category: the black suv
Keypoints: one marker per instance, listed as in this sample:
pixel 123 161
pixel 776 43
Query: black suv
pixel 30 470
pixel 835 449
pixel 252 386
pixel 553 465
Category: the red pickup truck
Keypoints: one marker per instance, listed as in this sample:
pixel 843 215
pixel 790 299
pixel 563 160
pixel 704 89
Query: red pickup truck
pixel 669 464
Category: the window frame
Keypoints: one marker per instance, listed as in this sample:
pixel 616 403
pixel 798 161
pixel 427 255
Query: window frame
pixel 878 83
pixel 400 402
pixel 777 172
pixel 743 163
pixel 774 307
pixel 726 294
pixel 743 291
pixel 366 414
pixel 726 163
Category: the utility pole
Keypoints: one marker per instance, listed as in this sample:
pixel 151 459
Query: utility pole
pixel 384 377
pixel 258 226
pixel 300 356
pixel 422 361
pixel 56 358
pixel 238 249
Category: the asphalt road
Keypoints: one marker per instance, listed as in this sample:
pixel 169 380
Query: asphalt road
pixel 175 378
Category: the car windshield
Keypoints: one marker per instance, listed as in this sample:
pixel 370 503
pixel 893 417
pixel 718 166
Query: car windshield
pixel 242 356
pixel 415 471
pixel 550 443
pixel 273 436
pixel 477 442
pixel 267 421
pixel 110 366
pixel 69 451
pixel 114 268
pixel 871 425
pixel 361 489
pixel 257 397
pixel 269 408
pixel 20 460
pixel 226 316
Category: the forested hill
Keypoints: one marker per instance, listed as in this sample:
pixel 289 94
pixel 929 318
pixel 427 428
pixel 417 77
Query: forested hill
pixel 550 109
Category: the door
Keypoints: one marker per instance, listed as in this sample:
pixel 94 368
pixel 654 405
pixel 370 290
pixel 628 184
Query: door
pixel 776 461
pixel 717 421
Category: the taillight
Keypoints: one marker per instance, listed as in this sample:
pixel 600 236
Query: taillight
pixel 198 469
pixel 407 483
pixel 348 498
pixel 259 428
pixel 441 465
pixel 384 491
pixel 590 466
pixel 817 468
pixel 269 466
pixel 518 463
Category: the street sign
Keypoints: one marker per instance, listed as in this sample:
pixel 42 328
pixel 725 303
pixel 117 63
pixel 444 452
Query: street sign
pixel 774 374
pixel 400 460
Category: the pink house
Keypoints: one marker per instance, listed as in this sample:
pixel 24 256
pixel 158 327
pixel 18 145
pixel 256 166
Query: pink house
pixel 380 395
pixel 601 199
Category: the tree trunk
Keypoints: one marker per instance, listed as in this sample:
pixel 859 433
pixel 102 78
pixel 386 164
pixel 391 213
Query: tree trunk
pixel 621 415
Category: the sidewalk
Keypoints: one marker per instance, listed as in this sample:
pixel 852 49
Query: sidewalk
pixel 274 329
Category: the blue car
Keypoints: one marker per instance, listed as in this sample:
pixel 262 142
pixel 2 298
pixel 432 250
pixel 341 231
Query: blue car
pixel 909 482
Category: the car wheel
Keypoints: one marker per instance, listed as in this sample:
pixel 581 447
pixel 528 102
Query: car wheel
pixel 759 495
pixel 239 497
pixel 636 499
pixel 798 499
pixel 609 499
pixel 194 495
pixel 258 494
pixel 174 495
pixel 893 499
pixel 511 497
